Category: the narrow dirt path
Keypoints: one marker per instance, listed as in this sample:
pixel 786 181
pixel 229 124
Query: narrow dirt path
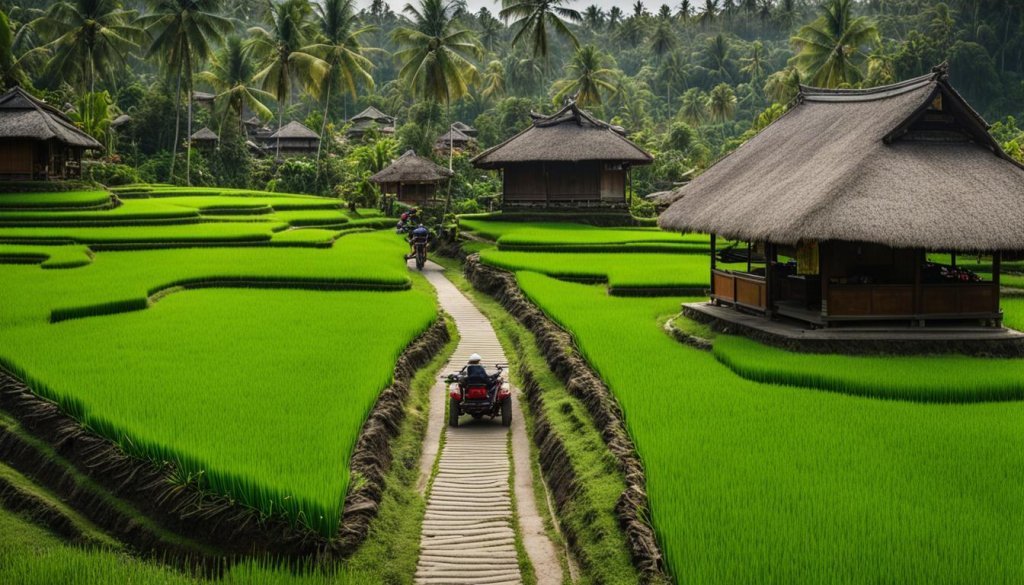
pixel 468 534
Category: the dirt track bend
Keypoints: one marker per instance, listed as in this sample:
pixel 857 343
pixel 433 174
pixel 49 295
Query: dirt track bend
pixel 467 535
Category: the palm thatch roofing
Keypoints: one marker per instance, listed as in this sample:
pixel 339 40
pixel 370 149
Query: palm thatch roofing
pixel 204 134
pixel 295 130
pixel 570 135
pixel 372 114
pixel 411 168
pixel 120 121
pixel 24 116
pixel 465 129
pixel 454 136
pixel 909 165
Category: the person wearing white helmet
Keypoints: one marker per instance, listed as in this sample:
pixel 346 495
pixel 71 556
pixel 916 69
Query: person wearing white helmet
pixel 474 369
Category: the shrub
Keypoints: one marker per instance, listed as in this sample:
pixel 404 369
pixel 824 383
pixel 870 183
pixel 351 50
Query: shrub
pixel 112 174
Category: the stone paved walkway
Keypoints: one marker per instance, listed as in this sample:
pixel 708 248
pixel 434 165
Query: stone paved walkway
pixel 467 534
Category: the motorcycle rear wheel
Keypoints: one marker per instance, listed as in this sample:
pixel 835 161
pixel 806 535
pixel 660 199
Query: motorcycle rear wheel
pixel 453 412
pixel 506 412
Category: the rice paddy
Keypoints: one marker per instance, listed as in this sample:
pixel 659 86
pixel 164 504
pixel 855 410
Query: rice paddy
pixel 763 483
pixel 61 199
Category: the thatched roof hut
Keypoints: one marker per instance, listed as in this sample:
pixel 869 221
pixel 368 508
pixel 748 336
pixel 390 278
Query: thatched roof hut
pixel 569 159
pixel 368 119
pixel 453 138
pixel 413 179
pixel 881 165
pixel 204 136
pixel 465 129
pixel 858 186
pixel 294 138
pixel 37 140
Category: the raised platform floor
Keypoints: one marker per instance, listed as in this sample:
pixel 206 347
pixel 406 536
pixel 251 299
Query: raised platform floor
pixel 877 338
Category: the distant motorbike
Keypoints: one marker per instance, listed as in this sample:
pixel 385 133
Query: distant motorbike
pixel 420 252
pixel 479 396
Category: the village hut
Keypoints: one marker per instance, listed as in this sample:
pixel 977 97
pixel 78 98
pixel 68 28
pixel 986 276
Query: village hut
pixel 842 207
pixel 569 159
pixel 369 119
pixel 453 139
pixel 412 179
pixel 204 138
pixel 295 140
pixel 37 141
pixel 465 129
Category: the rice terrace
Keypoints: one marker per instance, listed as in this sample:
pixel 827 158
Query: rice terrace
pixel 534 292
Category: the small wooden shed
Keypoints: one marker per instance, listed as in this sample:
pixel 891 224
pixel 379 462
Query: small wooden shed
pixel 569 159
pixel 205 138
pixel 412 179
pixel 37 141
pixel 453 139
pixel 295 140
pixel 369 119
pixel 854 205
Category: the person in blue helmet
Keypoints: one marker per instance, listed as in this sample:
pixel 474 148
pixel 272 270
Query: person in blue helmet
pixel 419 235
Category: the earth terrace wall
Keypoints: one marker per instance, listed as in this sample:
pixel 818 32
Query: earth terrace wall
pixel 220 527
pixel 565 361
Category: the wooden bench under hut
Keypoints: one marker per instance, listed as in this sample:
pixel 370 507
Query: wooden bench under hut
pixel 854 207
pixel 412 179
pixel 38 141
pixel 566 160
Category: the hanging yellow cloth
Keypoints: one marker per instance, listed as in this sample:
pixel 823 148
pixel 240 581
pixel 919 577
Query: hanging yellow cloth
pixel 807 258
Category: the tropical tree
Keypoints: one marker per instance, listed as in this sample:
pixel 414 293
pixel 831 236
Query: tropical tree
pixel 85 39
pixel 685 10
pixel 183 33
pixel 494 80
pixel 588 76
pixel 437 53
pixel 614 17
pixel 722 104
pixel 93 113
pixel 338 44
pixel 717 56
pixel 231 75
pixel 756 64
pixel 533 17
pixel 831 49
pixel 491 30
pixel 285 61
pixel 695 107
pixel 663 39
pixel 782 86
pixel 710 12
pixel 11 71
pixel 593 18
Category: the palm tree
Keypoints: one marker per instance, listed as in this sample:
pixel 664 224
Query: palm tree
pixel 831 47
pixel 588 77
pixel 534 17
pixel 593 18
pixel 716 56
pixel 231 74
pixel 707 17
pixel 93 113
pixel 722 105
pixel 614 17
pixel 685 10
pixel 695 107
pixel 284 60
pixel 11 71
pixel 340 47
pixel 183 33
pixel 86 38
pixel 437 52
pixel 783 85
pixel 756 64
pixel 494 79
pixel 490 30
pixel 663 39
pixel 672 70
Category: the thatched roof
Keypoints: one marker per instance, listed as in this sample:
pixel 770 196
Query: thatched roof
pixel 295 130
pixel 202 96
pixel 24 116
pixel 571 135
pixel 120 121
pixel 465 129
pixel 454 136
pixel 373 114
pixel 904 165
pixel 204 134
pixel 411 168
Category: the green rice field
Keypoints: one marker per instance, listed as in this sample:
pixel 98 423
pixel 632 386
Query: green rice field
pixel 767 483
pixel 61 199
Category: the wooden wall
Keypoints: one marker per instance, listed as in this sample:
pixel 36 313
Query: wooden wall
pixel 560 183
pixel 16 158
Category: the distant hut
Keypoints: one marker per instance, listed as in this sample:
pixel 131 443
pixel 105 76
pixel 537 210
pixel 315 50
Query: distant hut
pixel 120 121
pixel 369 119
pixel 453 139
pixel 296 140
pixel 37 141
pixel 569 159
pixel 203 98
pixel 465 129
pixel 204 138
pixel 839 202
pixel 412 179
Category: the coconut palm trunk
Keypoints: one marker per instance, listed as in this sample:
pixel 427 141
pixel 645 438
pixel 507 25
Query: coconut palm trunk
pixel 177 124
pixel 188 146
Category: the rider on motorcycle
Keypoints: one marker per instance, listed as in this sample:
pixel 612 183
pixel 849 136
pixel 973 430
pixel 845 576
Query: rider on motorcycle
pixel 420 235
pixel 474 369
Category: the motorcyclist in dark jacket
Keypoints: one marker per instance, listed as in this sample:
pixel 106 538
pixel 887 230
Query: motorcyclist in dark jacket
pixel 419 235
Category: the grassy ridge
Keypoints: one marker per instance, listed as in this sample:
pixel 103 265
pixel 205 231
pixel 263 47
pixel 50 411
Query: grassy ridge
pixel 948 378
pixel 91 198
pixel 46 256
pixel 193 397
pixel 195 232
pixel 753 483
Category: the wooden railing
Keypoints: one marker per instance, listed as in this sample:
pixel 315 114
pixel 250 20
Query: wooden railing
pixel 740 289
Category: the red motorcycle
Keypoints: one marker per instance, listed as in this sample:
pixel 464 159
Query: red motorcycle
pixel 479 395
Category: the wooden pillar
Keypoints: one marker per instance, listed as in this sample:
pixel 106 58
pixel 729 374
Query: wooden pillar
pixel 749 259
pixel 714 263
pixel 823 275
pixel 919 257
pixel 544 173
pixel 952 258
pixel 997 262
pixel 769 276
